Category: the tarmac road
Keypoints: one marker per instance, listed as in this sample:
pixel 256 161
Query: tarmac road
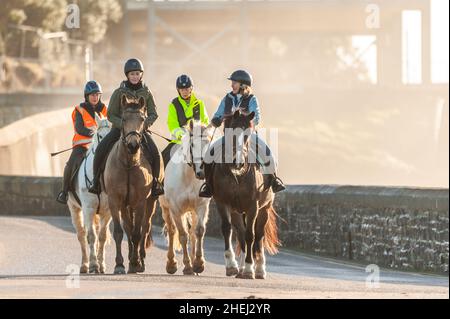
pixel 37 253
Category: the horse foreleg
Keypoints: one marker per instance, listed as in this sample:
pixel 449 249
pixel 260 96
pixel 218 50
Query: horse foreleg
pixel 105 220
pixel 90 226
pixel 172 264
pixel 192 237
pixel 136 234
pixel 231 265
pixel 145 241
pixel 77 221
pixel 118 236
pixel 183 234
pixel 128 222
pixel 237 220
pixel 200 229
pixel 249 271
pixel 258 248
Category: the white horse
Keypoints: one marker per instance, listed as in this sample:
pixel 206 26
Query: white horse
pixel 184 212
pixel 91 219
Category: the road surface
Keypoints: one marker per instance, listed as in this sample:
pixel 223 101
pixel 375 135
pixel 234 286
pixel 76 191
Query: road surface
pixel 36 254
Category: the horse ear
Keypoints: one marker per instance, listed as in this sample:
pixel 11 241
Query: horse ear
pixel 141 102
pixel 236 115
pixel 98 119
pixel 251 116
pixel 123 100
pixel 191 125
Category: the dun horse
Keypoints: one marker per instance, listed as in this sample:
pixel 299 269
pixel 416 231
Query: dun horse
pixel 244 203
pixel 128 182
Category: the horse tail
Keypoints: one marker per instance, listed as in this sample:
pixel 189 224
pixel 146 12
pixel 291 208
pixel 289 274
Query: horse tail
pixel 271 240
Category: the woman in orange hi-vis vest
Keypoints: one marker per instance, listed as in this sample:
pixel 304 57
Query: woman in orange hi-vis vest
pixel 83 117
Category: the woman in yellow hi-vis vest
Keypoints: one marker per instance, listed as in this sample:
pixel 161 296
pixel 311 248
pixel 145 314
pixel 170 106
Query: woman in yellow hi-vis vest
pixel 183 108
pixel 83 118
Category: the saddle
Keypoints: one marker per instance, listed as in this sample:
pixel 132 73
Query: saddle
pixel 146 151
pixel 166 153
pixel 75 168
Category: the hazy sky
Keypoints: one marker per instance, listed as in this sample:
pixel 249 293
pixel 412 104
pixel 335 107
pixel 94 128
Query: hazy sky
pixel 439 40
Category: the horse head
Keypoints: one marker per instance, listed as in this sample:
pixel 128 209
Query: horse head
pixel 134 113
pixel 195 143
pixel 102 128
pixel 241 125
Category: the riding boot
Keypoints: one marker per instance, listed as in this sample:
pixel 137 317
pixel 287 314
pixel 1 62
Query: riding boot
pixel 95 188
pixel 64 194
pixel 98 163
pixel 206 190
pixel 74 159
pixel 100 157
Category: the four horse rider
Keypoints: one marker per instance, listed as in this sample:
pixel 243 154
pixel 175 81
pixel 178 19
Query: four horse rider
pixel 133 87
pixel 83 118
pixel 181 110
pixel 241 98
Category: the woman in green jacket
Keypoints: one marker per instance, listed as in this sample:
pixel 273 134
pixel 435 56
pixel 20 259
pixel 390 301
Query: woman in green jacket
pixel 135 88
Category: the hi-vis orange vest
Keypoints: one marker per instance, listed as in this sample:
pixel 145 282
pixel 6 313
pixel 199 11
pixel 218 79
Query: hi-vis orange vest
pixel 89 122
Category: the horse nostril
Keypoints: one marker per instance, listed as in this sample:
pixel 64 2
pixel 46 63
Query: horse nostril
pixel 200 175
pixel 132 148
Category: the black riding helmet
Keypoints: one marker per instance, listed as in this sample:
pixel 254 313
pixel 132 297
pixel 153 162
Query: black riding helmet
pixel 133 65
pixel 184 81
pixel 92 87
pixel 242 77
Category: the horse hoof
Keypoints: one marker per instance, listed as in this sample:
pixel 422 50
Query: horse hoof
pixel 239 275
pixel 260 276
pixel 188 271
pixel 248 275
pixel 94 270
pixel 171 268
pixel 232 271
pixel 141 268
pixel 102 269
pixel 84 269
pixel 119 270
pixel 132 269
pixel 199 268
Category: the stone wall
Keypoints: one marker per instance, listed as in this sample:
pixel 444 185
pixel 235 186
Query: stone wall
pixel 400 228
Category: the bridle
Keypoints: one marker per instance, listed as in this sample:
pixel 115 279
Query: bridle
pixel 190 162
pixel 138 134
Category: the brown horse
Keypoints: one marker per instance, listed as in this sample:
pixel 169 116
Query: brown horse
pixel 244 203
pixel 128 182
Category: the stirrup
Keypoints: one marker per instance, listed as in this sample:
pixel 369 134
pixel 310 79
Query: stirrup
pixel 205 191
pixel 94 189
pixel 157 189
pixel 62 198
pixel 277 185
